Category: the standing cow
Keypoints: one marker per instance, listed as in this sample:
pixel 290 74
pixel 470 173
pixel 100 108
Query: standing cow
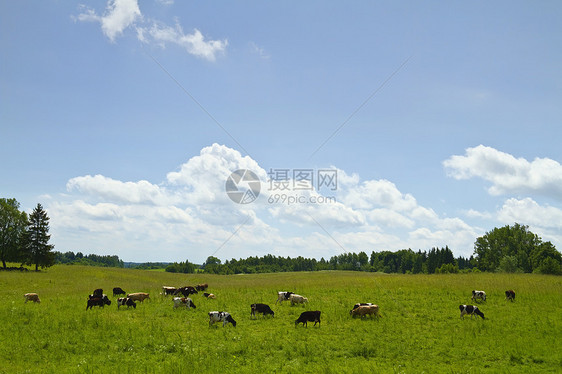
pixel 365 310
pixel 310 316
pixel 470 309
pixel 510 295
pixel 118 291
pixel 184 301
pixel 186 291
pixel 138 296
pixel 283 296
pixel 98 301
pixel 478 295
pixel 264 309
pixel 32 297
pixel 297 299
pixel 125 301
pixel 223 317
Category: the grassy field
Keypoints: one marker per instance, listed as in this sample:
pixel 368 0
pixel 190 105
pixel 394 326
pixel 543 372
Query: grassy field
pixel 420 329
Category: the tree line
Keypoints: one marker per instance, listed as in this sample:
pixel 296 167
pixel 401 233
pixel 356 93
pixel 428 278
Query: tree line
pixel 24 238
pixel 437 260
pixel 71 258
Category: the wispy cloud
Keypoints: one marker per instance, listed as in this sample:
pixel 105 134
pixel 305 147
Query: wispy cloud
pixel 121 15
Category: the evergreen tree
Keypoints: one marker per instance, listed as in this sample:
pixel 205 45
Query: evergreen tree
pixel 37 249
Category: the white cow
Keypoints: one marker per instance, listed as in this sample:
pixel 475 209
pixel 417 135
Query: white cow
pixel 184 301
pixel 223 317
pixel 297 299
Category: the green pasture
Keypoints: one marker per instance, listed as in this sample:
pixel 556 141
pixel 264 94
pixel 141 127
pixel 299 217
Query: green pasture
pixel 419 332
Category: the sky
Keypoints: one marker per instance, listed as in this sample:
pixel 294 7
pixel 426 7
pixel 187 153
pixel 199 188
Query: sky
pixel 366 126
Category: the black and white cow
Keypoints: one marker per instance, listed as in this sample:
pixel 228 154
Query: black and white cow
pixel 126 301
pixel 118 291
pixel 186 291
pixel 478 295
pixel 309 316
pixel 223 317
pixel 261 308
pixel 184 301
pixel 283 296
pixel 510 295
pixel 98 301
pixel 470 309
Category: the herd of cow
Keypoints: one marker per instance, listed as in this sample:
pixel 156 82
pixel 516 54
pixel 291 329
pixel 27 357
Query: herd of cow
pixel 98 298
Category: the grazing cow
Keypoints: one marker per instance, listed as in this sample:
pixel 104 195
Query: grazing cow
pixel 297 299
pixel 510 295
pixel 118 291
pixel 261 308
pixel 138 296
pixel 366 310
pixel 184 301
pixel 223 317
pixel 98 301
pixel 169 290
pixel 209 295
pixel 125 301
pixel 478 295
pixel 32 297
pixel 283 296
pixel 470 309
pixel 310 316
pixel 358 305
pixel 202 287
pixel 186 291
pixel 98 292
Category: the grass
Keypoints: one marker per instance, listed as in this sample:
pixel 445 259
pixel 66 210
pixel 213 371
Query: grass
pixel 420 329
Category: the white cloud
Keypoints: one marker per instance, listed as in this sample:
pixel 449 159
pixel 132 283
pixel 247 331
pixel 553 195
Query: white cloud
pixel 194 43
pixel 507 173
pixel 530 212
pixel 189 215
pixel 120 15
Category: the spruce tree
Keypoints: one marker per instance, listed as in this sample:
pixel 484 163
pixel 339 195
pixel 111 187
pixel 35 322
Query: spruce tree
pixel 37 250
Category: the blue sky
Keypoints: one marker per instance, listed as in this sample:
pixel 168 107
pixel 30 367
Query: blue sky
pixel 124 119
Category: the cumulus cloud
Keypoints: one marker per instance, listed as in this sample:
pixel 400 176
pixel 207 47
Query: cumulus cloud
pixel 507 173
pixel 121 15
pixel 189 215
pixel 529 211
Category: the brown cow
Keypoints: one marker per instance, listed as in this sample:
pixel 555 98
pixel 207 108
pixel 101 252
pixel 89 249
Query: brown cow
pixel 202 287
pixel 510 295
pixel 366 310
pixel 138 296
